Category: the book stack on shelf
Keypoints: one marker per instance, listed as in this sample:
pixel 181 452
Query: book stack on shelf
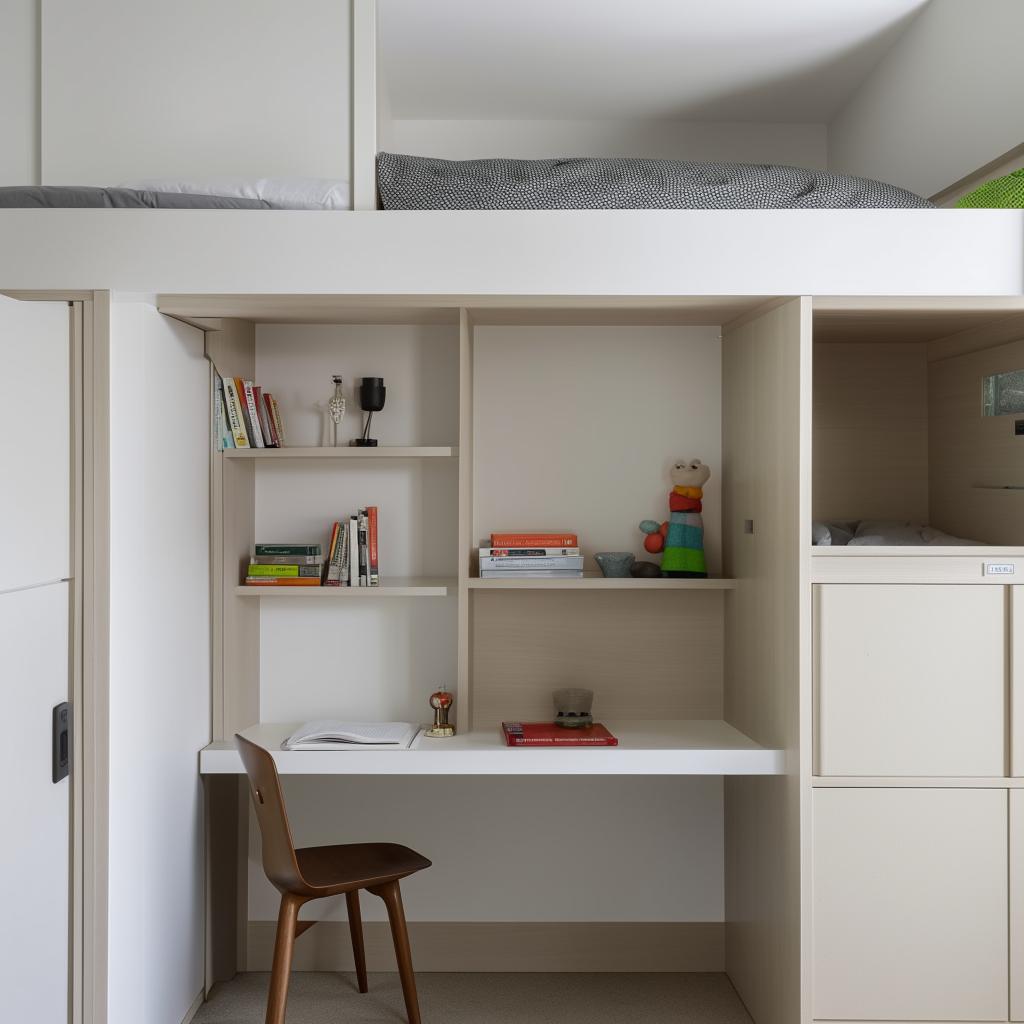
pixel 244 415
pixel 551 734
pixel 352 558
pixel 285 565
pixel 531 556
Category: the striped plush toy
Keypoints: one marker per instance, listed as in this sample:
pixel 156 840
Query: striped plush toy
pixel 681 538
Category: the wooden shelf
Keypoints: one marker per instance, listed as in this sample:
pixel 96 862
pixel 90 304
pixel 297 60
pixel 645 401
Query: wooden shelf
pixel 396 586
pixel 597 582
pixel 682 747
pixel 382 452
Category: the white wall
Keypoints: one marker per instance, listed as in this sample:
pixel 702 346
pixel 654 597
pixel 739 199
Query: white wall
pixel 943 102
pixel 19 93
pixel 802 144
pixel 237 87
pixel 159 663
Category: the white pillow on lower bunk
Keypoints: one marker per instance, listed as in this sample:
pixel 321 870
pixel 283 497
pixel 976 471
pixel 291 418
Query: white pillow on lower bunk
pixel 281 193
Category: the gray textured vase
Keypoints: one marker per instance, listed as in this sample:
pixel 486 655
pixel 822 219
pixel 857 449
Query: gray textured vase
pixel 614 564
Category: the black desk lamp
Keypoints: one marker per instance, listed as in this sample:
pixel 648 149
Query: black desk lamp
pixel 371 398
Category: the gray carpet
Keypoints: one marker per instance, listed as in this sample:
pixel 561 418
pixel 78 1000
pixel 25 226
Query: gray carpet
pixel 320 998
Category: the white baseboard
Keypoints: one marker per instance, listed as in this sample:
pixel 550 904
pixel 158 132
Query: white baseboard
pixel 194 1008
pixel 506 946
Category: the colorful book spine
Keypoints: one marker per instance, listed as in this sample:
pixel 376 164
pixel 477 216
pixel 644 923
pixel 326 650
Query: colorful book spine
pixel 374 567
pixel 336 557
pixel 280 571
pixel 233 407
pixel 527 552
pixel 364 576
pixel 254 417
pixel 244 410
pixel 287 549
pixel 261 415
pixel 539 562
pixel 282 581
pixel 268 410
pixel 286 560
pixel 221 430
pixel 278 422
pixel 534 540
pixel 353 551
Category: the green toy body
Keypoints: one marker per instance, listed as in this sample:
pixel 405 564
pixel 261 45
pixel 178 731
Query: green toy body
pixel 680 539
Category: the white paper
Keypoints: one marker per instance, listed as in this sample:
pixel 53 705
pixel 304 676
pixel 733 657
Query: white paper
pixel 330 734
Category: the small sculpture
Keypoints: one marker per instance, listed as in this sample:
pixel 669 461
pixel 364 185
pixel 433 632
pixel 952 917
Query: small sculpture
pixel 335 410
pixel 573 706
pixel 644 571
pixel 614 564
pixel 441 702
pixel 681 537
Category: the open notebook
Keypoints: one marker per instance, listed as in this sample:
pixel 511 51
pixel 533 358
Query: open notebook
pixel 334 735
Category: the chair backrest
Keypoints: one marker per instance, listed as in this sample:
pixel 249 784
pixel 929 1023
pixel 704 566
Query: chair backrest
pixel 279 861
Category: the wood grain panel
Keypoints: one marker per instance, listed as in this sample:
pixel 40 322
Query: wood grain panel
pixel 645 655
pixel 871 431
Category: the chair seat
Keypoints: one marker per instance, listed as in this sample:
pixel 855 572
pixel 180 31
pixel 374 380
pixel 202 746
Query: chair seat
pixel 356 865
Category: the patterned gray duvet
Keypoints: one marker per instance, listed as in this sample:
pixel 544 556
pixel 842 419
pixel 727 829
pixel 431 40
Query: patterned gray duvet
pixel 587 183
pixel 63 197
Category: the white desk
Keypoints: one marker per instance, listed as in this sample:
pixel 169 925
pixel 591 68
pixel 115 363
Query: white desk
pixel 687 747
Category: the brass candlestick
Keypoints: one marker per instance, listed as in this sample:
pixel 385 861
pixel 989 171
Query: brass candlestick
pixel 441 702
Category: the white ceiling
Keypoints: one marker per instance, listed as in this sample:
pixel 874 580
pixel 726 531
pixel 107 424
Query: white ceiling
pixel 721 60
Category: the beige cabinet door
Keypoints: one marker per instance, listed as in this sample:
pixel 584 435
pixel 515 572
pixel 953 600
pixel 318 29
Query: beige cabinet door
pixel 911 680
pixel 1016 618
pixel 1017 904
pixel 909 904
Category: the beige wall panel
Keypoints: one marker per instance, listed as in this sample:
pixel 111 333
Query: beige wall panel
pixel 911 680
pixel 645 655
pixel 1016 655
pixel 1017 905
pixel 766 430
pixel 974 458
pixel 871 431
pixel 910 905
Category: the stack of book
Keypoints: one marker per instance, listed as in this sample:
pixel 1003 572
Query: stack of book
pixel 245 416
pixel 531 556
pixel 285 565
pixel 352 558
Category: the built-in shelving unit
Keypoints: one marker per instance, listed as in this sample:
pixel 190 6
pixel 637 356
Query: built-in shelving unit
pixel 412 586
pixel 380 452
pixel 692 747
pixel 594 581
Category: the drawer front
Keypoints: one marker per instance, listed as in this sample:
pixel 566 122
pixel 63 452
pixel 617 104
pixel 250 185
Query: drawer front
pixel 910 896
pixel 910 680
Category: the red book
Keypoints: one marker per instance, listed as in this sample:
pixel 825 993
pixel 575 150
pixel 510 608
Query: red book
pixel 534 540
pixel 282 581
pixel 266 401
pixel 373 568
pixel 547 734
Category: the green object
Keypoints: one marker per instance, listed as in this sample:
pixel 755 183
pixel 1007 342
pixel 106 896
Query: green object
pixel 1006 193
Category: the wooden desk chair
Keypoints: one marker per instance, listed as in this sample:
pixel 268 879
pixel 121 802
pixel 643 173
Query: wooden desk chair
pixel 318 871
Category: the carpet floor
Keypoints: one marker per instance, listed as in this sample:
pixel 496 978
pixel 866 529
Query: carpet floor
pixel 323 998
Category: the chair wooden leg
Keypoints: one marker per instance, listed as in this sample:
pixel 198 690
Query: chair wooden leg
pixel 391 894
pixel 355 926
pixel 283 945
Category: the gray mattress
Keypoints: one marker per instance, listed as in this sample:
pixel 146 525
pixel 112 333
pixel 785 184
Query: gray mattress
pixel 65 197
pixel 585 183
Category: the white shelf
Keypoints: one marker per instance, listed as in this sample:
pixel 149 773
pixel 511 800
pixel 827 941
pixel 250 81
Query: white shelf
pixel 597 582
pixel 685 747
pixel 382 452
pixel 394 586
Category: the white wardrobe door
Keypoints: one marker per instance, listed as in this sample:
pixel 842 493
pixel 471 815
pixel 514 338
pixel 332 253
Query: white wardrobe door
pixel 35 453
pixel 910 897
pixel 911 680
pixel 1017 904
pixel 34 853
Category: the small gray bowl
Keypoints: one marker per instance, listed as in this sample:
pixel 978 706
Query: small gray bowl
pixel 615 564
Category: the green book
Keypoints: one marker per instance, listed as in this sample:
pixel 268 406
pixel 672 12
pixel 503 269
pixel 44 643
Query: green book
pixel 283 570
pixel 287 549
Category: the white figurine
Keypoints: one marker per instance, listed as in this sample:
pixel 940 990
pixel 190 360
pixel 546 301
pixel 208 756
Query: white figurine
pixel 335 411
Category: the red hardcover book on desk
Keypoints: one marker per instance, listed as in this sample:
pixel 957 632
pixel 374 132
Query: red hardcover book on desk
pixel 547 734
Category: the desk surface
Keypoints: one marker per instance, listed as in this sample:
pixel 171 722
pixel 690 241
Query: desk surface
pixel 685 747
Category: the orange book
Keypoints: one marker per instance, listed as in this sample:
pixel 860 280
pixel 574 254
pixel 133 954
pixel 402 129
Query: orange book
pixel 534 540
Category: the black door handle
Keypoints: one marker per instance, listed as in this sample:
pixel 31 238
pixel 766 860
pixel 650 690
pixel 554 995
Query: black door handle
pixel 61 741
